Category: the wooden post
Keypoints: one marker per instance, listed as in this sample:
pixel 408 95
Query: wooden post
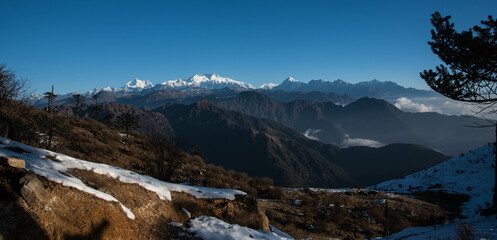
pixel 51 102
pixel 387 220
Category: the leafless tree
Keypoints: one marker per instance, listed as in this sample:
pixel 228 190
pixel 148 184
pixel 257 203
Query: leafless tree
pixel 77 98
pixel 12 88
pixel 167 158
pixel 51 97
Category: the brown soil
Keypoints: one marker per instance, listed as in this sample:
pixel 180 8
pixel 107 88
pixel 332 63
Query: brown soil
pixel 349 215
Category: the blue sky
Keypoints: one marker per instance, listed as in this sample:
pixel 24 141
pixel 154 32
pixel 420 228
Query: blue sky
pixel 80 45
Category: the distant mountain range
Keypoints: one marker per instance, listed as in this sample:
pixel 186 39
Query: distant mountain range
pixel 367 121
pixel 373 88
pixel 211 82
pixel 262 147
pixel 204 81
pixel 266 148
pixel 325 116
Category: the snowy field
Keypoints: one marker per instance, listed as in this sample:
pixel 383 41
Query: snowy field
pixel 471 174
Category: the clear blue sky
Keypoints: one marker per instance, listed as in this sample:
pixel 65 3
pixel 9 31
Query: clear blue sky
pixel 80 45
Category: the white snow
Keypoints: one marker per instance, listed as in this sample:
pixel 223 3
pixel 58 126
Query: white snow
pixel 105 89
pixel 297 202
pixel 135 85
pixel 289 84
pixel 211 228
pixel 57 171
pixel 206 81
pixel 471 174
pixel 138 85
pixel 291 79
pixel 176 224
pixel 187 212
pixel 268 86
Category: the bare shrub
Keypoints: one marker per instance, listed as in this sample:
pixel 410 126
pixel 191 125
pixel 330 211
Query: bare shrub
pixel 275 215
pixel 12 88
pixel 167 158
pixel 275 193
pixel 465 231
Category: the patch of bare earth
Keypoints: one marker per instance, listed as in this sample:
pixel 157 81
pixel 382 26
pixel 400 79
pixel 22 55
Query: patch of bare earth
pixel 357 214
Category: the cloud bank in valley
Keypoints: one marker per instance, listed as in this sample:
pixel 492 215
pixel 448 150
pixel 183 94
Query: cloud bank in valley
pixel 356 142
pixel 407 105
pixel 441 105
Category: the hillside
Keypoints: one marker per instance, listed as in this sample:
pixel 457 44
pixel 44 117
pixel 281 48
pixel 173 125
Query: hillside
pixel 373 88
pixel 151 123
pixel 470 175
pixel 54 196
pixel 262 147
pixel 256 146
pixel 321 212
pixel 62 197
pixel 366 121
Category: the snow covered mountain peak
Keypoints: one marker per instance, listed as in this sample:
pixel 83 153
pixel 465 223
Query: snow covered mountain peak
pixel 138 84
pixel 289 84
pixel 291 79
pixel 206 81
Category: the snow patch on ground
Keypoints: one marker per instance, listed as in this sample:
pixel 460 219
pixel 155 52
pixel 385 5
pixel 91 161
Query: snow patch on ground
pixel 211 228
pixel 471 174
pixel 38 161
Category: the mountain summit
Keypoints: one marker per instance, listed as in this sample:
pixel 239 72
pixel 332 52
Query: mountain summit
pixel 205 81
pixel 138 85
pixel 290 84
pixel 374 88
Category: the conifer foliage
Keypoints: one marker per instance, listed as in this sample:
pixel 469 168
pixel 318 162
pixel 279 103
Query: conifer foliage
pixel 127 122
pixel 470 70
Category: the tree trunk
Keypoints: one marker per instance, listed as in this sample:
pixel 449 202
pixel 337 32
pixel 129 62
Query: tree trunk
pixel 387 219
pixel 494 199
pixel 50 135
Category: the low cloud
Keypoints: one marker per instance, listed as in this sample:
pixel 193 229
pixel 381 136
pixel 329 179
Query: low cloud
pixel 356 142
pixel 407 105
pixel 311 133
pixel 441 105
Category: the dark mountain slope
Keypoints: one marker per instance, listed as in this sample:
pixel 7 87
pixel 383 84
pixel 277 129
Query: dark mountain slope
pixel 373 88
pixel 366 118
pixel 376 119
pixel 263 147
pixel 366 165
pixel 315 96
pixel 257 146
pixel 151 123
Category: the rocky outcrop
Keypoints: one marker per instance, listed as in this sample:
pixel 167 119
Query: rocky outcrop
pixel 54 211
pixel 13 162
pixel 33 191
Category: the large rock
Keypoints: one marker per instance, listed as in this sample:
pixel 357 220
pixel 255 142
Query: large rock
pixel 14 162
pixel 33 191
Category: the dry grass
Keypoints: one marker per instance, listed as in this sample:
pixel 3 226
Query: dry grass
pixel 348 215
pixel 91 140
